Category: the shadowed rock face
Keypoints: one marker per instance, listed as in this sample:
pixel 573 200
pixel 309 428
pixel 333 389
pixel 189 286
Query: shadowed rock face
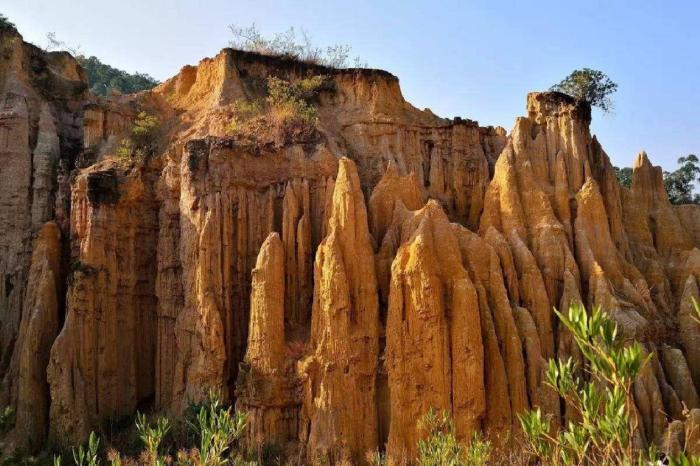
pixel 335 290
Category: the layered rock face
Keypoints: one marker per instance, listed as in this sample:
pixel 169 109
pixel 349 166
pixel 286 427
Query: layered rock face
pixel 105 351
pixel 334 289
pixel 41 101
pixel 39 326
pixel 40 121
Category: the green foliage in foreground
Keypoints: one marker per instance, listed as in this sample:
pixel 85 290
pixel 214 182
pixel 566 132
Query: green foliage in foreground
pixel 213 428
pixel 441 447
pixel 600 395
pixel 217 429
pixel 152 436
pixel 600 433
pixel 86 455
pixel 603 432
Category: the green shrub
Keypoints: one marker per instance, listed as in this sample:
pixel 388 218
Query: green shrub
pixel 6 25
pixel 301 92
pixel 102 78
pixel 7 419
pixel 684 460
pixel 286 115
pixel 143 140
pixel 291 100
pixel 87 455
pixel 213 433
pixel 288 45
pixel 152 437
pixel 217 429
pixel 680 184
pixel 604 426
pixel 243 111
pixel 624 176
pixel 441 447
pixel 592 86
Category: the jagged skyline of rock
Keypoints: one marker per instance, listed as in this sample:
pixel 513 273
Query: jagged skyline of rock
pixel 480 71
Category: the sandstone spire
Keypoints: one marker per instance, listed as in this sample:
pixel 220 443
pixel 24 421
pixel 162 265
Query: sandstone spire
pixel 266 335
pixel 340 401
pixel 434 355
pixel 26 378
pixel 264 390
pixel 391 188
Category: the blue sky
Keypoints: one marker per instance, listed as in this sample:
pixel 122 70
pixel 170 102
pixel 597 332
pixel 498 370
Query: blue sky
pixel 475 59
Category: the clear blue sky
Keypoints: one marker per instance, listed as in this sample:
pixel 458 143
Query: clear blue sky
pixel 475 59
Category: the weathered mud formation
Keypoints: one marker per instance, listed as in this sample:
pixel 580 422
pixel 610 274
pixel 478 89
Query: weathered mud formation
pixel 335 289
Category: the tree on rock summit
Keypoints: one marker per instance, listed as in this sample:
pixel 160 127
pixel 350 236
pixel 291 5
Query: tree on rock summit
pixel 592 86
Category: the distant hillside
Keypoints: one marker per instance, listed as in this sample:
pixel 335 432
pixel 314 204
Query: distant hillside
pixel 104 79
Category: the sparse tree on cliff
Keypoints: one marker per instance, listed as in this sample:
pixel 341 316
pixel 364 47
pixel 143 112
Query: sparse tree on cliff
pixel 6 24
pixel 592 86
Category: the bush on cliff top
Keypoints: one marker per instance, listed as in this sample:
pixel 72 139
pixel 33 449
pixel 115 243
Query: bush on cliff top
pixel 287 44
pixel 286 115
pixel 6 25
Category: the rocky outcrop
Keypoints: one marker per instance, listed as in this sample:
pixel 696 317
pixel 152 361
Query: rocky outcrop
pixel 335 288
pixel 40 99
pixel 391 188
pixel 220 210
pixel 340 408
pixel 26 377
pixel 265 390
pixel 434 352
pixel 103 361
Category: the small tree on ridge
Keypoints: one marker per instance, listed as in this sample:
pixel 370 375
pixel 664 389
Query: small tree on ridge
pixel 592 86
